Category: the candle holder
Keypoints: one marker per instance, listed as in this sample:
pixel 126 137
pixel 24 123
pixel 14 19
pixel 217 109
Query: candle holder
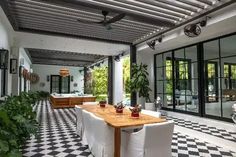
pixel 119 107
pixel 135 111
pixel 102 103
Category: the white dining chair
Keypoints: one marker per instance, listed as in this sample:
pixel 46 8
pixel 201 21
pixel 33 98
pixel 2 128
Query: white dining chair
pixel 90 103
pixel 103 135
pixel 79 121
pixel 87 124
pixel 154 140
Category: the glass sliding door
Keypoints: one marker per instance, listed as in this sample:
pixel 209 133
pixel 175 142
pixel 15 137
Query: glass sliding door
pixel 211 81
pixel 164 79
pixel 65 84
pixel 178 74
pixel 212 78
pixel 228 62
pixel 186 79
pixel 55 84
pixel 191 54
pixel 60 84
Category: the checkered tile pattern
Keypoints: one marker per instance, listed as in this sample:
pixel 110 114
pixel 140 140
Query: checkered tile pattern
pixel 185 146
pixel 57 138
pixel 221 133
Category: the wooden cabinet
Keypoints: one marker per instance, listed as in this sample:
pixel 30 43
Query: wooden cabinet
pixel 64 102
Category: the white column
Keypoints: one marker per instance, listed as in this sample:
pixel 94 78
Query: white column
pixel 117 82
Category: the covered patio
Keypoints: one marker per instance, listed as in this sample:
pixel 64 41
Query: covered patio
pixel 160 74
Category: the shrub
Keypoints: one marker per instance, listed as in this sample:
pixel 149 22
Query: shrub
pixel 17 123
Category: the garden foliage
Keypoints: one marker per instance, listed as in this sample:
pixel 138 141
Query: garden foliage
pixel 18 122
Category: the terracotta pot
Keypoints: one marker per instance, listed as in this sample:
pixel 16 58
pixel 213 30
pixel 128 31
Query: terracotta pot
pixel 135 114
pixel 119 110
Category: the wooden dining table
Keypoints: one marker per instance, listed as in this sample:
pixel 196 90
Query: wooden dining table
pixel 119 121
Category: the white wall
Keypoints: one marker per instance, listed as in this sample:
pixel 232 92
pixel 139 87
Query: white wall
pixel 6 41
pixel 46 70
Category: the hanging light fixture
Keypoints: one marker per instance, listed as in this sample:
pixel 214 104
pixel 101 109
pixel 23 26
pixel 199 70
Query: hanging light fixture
pixel 64 72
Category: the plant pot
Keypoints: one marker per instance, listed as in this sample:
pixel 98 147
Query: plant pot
pixel 135 114
pixel 119 110
pixel 150 106
pixel 102 105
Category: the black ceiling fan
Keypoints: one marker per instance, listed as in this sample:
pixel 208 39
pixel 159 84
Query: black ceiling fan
pixel 105 22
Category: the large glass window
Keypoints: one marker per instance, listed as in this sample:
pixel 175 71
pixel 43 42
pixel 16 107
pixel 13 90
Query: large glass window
pixel 3 71
pixel 212 78
pixel 60 84
pixel 164 80
pixel 186 79
pixel 228 62
pixel 177 74
pixel 182 89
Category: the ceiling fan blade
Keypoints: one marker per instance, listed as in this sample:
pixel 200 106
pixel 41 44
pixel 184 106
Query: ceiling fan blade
pixel 89 22
pixel 116 18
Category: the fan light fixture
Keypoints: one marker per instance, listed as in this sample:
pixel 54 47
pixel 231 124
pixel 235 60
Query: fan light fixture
pixel 194 30
pixel 64 72
pixel 151 44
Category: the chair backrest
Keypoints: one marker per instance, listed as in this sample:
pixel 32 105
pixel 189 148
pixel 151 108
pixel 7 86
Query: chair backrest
pixel 79 122
pixel 158 139
pixel 90 103
pixel 87 123
pixel 103 144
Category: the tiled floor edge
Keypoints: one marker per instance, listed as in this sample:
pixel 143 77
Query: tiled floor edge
pixel 231 127
pixel 226 144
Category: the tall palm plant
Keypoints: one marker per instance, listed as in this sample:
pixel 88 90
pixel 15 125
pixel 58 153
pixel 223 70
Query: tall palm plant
pixel 139 81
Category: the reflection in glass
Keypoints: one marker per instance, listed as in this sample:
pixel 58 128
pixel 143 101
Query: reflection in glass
pixel 212 81
pixel 228 62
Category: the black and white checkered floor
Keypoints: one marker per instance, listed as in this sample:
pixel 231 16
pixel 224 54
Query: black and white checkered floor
pixel 221 133
pixel 57 138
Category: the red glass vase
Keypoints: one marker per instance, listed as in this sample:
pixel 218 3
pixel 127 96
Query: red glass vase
pixel 102 105
pixel 135 114
pixel 119 110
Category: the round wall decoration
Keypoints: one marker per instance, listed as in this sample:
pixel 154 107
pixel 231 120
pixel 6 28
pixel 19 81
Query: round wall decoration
pixel 34 78
pixel 24 73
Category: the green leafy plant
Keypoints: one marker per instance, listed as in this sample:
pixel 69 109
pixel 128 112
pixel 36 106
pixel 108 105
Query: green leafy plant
pixel 17 123
pixel 139 81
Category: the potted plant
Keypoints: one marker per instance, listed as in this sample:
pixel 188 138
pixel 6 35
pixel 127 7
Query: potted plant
pixel 102 103
pixel 119 107
pixel 135 111
pixel 139 81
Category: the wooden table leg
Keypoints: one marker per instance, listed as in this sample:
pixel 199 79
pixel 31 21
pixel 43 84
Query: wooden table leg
pixel 117 142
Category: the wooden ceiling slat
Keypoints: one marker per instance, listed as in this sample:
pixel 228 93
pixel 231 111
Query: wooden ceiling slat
pixel 144 19
pixel 55 27
pixel 75 13
pixel 154 9
pixel 192 3
pixel 167 7
pixel 115 30
pixel 41 56
pixel 55 30
pixel 61 20
pixel 170 2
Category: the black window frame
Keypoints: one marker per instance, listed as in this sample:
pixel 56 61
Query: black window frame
pixel 201 77
pixel 59 83
pixel 4 73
